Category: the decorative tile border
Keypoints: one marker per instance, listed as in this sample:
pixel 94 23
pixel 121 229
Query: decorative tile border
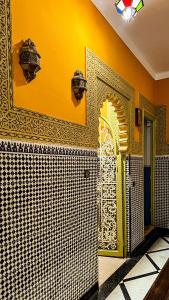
pixel 159 113
pixel 12 146
pixel 137 147
pixel 148 106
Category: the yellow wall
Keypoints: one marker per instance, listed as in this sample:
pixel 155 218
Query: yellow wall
pixel 162 98
pixel 61 30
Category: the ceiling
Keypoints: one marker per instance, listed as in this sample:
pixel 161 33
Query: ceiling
pixel 147 36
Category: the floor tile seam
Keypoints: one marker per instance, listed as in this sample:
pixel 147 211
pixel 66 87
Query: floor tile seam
pixel 124 291
pixel 115 279
pixel 164 239
pixel 125 288
pixel 123 266
pixel 140 276
pixel 133 261
pixel 156 251
pixel 152 262
pixel 146 245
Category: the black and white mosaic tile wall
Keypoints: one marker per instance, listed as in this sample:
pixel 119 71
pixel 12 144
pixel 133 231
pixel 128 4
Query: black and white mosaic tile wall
pixel 48 222
pixel 134 201
pixel 162 191
pixel 128 205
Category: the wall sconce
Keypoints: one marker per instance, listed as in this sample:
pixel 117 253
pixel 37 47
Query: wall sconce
pixel 138 117
pixel 79 84
pixel 29 60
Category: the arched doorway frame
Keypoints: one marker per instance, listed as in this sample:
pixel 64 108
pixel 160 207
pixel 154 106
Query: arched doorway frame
pixel 122 145
pixel 123 123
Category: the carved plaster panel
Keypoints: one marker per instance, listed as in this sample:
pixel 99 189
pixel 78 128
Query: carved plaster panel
pixel 137 147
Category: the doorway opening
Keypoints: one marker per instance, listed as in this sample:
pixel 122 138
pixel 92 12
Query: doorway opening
pixel 110 223
pixel 111 232
pixel 148 174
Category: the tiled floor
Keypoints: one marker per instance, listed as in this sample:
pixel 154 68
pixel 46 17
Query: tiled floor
pixel 107 266
pixel 138 281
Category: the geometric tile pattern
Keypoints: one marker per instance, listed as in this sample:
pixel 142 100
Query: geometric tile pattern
pixel 128 204
pixel 48 223
pixel 13 146
pixel 134 201
pixel 139 280
pixel 162 191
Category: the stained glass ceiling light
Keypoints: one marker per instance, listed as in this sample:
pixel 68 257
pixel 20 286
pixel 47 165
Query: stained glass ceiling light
pixel 128 8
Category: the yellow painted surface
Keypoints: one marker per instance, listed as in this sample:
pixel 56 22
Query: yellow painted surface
pixel 162 98
pixel 61 31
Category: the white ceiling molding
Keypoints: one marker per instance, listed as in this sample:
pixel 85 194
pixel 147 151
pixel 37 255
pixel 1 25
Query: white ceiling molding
pixel 145 37
pixel 163 75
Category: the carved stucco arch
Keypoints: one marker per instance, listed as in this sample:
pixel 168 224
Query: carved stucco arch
pixel 123 139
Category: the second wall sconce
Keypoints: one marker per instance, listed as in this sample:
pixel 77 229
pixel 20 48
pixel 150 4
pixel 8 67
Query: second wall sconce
pixel 79 84
pixel 29 60
pixel 138 117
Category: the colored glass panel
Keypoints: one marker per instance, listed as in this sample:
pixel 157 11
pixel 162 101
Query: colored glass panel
pixel 118 10
pixel 127 2
pixel 127 14
pixel 120 5
pixel 135 3
pixel 140 5
pixel 128 8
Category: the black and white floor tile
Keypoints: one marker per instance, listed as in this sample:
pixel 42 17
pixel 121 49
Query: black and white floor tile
pixel 140 278
pixel 107 266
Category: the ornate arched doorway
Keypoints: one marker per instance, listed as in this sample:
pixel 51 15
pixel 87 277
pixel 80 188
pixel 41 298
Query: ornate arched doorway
pixel 113 145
